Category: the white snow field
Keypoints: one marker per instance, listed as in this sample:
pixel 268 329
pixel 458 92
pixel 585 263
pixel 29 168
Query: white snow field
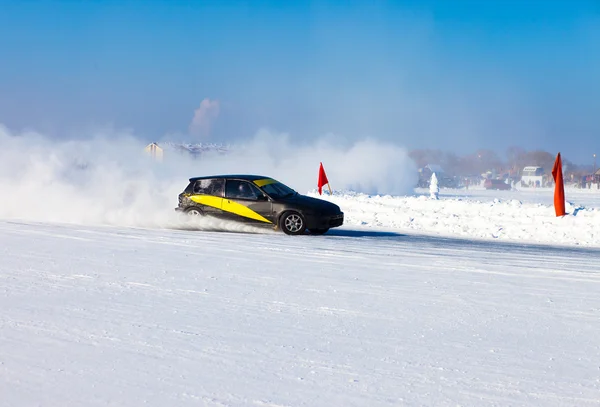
pixel 525 216
pixel 478 298
pixel 118 316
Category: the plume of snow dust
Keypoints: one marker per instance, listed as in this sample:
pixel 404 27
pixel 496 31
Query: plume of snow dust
pixel 102 180
pixel 369 166
pixel 107 178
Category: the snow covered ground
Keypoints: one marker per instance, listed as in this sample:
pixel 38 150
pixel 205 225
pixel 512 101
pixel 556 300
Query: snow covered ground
pixel 108 315
pixel 581 197
pixel 525 216
pixel 108 299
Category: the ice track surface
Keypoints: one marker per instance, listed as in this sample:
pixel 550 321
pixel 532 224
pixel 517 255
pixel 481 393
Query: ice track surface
pixel 116 316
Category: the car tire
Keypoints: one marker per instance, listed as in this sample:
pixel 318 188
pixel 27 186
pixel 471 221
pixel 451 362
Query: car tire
pixel 292 223
pixel 193 211
pixel 318 231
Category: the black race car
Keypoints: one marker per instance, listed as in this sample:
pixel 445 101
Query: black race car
pixel 258 200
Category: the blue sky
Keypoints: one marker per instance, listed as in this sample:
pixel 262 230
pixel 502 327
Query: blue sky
pixel 457 75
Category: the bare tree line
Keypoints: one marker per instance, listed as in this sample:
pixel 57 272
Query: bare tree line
pixel 481 161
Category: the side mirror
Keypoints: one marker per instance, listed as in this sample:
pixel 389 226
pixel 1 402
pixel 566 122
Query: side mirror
pixel 263 197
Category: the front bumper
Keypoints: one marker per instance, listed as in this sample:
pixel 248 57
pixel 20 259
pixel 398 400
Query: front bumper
pixel 325 222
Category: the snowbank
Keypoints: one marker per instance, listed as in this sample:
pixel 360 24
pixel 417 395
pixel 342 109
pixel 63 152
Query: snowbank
pixel 509 220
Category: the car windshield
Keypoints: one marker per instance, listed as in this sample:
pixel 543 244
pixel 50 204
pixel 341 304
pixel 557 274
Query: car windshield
pixel 275 189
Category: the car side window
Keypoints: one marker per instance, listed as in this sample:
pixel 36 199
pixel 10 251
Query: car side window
pixel 241 190
pixel 212 187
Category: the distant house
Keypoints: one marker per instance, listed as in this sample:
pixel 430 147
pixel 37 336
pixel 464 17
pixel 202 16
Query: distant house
pixel 533 176
pixel 155 151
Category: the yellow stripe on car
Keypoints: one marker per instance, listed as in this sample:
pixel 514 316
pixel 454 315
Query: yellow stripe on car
pixel 264 181
pixel 213 201
pixel 239 209
pixel 228 206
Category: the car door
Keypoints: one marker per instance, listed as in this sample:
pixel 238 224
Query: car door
pixel 209 194
pixel 243 201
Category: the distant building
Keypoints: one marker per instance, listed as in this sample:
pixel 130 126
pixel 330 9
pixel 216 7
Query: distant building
pixel 155 151
pixel 533 176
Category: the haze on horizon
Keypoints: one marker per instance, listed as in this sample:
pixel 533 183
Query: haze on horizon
pixel 457 76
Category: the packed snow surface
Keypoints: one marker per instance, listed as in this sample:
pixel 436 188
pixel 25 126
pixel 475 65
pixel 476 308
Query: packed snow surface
pixel 525 216
pixel 108 297
pixel 118 316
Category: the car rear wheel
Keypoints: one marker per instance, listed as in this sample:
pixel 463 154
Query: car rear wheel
pixel 292 223
pixel 319 231
pixel 194 211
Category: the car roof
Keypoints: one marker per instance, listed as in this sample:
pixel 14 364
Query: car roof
pixel 246 177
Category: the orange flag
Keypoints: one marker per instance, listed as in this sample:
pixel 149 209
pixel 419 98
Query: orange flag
pixel 322 178
pixel 559 187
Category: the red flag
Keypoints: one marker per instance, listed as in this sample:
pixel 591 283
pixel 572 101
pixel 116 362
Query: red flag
pixel 559 187
pixel 322 178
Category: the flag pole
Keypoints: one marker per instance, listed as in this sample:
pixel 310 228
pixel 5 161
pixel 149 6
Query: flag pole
pixel 329 186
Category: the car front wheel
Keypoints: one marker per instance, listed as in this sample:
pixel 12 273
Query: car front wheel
pixel 292 223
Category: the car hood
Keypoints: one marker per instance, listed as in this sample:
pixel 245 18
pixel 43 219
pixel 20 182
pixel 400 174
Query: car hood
pixel 312 204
